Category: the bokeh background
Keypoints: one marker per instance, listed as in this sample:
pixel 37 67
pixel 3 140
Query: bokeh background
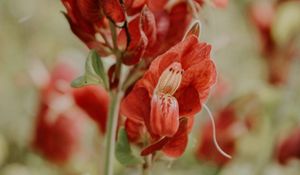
pixel 35 33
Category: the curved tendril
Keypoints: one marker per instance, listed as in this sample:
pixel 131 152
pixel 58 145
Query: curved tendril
pixel 214 133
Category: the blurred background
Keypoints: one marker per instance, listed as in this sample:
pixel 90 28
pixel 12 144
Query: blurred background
pixel 256 101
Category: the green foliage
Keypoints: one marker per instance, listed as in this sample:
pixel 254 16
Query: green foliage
pixel 123 150
pixel 94 72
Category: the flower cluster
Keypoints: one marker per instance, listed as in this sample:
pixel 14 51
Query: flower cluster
pixel 141 29
pixel 170 75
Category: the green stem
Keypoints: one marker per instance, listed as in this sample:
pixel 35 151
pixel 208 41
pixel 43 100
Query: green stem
pixel 113 34
pixel 115 97
pixel 147 165
pixel 217 171
pixel 111 133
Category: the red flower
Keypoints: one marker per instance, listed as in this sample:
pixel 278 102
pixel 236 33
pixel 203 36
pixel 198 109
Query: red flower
pixel 289 148
pixel 262 16
pixel 147 35
pixel 61 110
pixel 141 33
pixel 278 56
pixel 170 93
pixel 225 122
pixel 57 135
pixel 93 100
pixel 86 19
pixel 154 32
pixel 171 26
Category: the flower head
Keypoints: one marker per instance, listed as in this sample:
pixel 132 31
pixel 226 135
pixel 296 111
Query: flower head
pixel 58 129
pixel 152 28
pixel 171 92
pixel 86 19
pixel 57 136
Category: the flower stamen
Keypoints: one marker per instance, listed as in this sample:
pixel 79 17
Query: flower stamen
pixel 170 79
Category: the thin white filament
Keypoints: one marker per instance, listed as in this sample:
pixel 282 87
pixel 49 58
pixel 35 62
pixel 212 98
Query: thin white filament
pixel 214 133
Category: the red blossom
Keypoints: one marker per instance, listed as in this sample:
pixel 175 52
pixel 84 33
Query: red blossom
pixel 289 148
pixel 278 56
pixel 58 127
pixel 153 30
pixel 57 137
pixel 141 33
pixel 173 88
pixel 171 26
pixel 85 19
pixel 262 16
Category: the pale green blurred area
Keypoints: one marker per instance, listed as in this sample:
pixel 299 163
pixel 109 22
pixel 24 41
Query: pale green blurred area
pixel 36 29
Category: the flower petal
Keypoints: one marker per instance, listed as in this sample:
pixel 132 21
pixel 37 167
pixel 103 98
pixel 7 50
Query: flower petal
pixel 177 144
pixel 113 10
pixel 58 140
pixel 136 105
pixel 148 24
pixel 134 6
pixel 155 147
pixel 94 100
pixel 204 84
pixel 197 52
pixel 180 19
pixel 174 54
pixel 156 5
pixel 172 146
pixel 164 116
pixel 137 42
pixel 162 28
pixel 90 10
pixel 188 100
pixel 134 130
pixel 85 34
pixel 201 76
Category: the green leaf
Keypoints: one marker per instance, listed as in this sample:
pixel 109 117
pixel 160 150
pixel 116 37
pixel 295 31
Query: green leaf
pixel 89 67
pixel 123 151
pixel 99 67
pixel 94 72
pixel 84 81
